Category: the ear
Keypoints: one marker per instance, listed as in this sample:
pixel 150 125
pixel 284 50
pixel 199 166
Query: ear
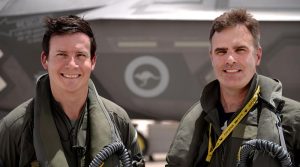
pixel 210 56
pixel 44 60
pixel 258 55
pixel 93 61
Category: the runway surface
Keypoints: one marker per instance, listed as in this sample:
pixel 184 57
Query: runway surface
pixel 159 160
pixel 155 164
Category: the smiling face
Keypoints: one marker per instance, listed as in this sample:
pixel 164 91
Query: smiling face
pixel 234 57
pixel 69 63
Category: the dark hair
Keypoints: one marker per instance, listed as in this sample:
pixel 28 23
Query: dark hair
pixel 235 17
pixel 67 25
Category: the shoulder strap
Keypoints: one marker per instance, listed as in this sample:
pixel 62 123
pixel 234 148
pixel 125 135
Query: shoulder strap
pixel 115 133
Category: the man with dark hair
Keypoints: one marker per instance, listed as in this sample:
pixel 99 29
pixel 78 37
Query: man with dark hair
pixel 240 105
pixel 66 123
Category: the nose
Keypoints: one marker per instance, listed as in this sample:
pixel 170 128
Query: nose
pixel 231 59
pixel 72 62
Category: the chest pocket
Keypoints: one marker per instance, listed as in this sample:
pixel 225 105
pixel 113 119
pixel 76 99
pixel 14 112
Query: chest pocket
pixel 247 128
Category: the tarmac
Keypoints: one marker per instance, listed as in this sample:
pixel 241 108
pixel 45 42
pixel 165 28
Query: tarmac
pixel 159 160
pixel 155 164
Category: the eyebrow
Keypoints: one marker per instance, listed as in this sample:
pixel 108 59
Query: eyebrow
pixel 241 46
pixel 220 49
pixel 82 52
pixel 225 49
pixel 61 51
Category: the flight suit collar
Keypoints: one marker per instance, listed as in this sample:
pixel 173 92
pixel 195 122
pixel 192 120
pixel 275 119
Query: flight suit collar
pixel 271 92
pixel 48 148
pixel 211 97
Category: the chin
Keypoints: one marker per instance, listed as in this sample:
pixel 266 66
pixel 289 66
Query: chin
pixel 234 84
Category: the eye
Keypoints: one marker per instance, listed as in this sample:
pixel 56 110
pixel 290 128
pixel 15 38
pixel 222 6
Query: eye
pixel 81 55
pixel 61 55
pixel 241 50
pixel 220 52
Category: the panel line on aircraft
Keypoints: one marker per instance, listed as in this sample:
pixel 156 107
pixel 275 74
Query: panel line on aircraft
pixel 191 44
pixel 142 44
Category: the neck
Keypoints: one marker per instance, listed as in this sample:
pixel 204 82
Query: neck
pixel 232 100
pixel 71 103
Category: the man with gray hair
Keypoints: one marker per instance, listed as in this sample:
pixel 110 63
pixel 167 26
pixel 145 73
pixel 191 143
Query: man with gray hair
pixel 240 105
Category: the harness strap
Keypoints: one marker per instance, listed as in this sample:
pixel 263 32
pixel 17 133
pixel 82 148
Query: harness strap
pixel 277 111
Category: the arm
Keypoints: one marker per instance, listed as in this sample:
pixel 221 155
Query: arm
pixel 12 130
pixel 291 128
pixel 9 145
pixel 184 146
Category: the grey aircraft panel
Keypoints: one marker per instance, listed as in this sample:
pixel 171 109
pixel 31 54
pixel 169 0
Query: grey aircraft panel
pixel 201 10
pixel 27 7
pixel 152 55
pixel 183 49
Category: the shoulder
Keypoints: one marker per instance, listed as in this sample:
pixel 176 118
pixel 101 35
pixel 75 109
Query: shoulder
pixel 115 109
pixel 12 126
pixel 122 122
pixel 193 113
pixel 14 133
pixel 291 123
pixel 191 120
pixel 187 132
pixel 291 110
pixel 15 118
pixel 188 121
pixel 291 104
